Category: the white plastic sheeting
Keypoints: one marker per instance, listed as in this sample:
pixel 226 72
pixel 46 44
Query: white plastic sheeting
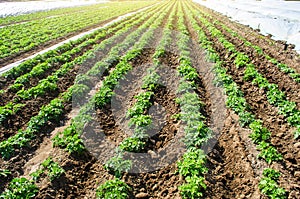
pixel 17 8
pixel 279 18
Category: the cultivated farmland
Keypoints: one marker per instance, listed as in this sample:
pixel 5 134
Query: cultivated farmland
pixel 171 101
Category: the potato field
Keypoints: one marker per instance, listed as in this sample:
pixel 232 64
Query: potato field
pixel 161 100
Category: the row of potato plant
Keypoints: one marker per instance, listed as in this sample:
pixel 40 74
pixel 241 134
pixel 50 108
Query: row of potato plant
pixel 192 165
pixel 236 101
pixel 139 119
pixel 50 168
pixel 141 122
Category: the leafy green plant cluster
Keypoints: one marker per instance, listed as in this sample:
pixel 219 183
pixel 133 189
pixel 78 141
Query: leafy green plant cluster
pixel 133 144
pixel 70 139
pixel 20 188
pixel 240 59
pixel 269 184
pixel 196 132
pixel 193 188
pixel 150 81
pixel 143 102
pixel 192 163
pixel 117 165
pixel 51 168
pixel 268 152
pixel 140 122
pixel 259 133
pixel 185 68
pixel 45 86
pixel 8 110
pixel 113 189
pixel 192 167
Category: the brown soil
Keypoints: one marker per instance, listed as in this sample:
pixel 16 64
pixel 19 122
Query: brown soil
pixel 234 170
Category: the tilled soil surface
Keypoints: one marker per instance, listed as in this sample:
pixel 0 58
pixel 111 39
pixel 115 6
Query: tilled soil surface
pixel 234 171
